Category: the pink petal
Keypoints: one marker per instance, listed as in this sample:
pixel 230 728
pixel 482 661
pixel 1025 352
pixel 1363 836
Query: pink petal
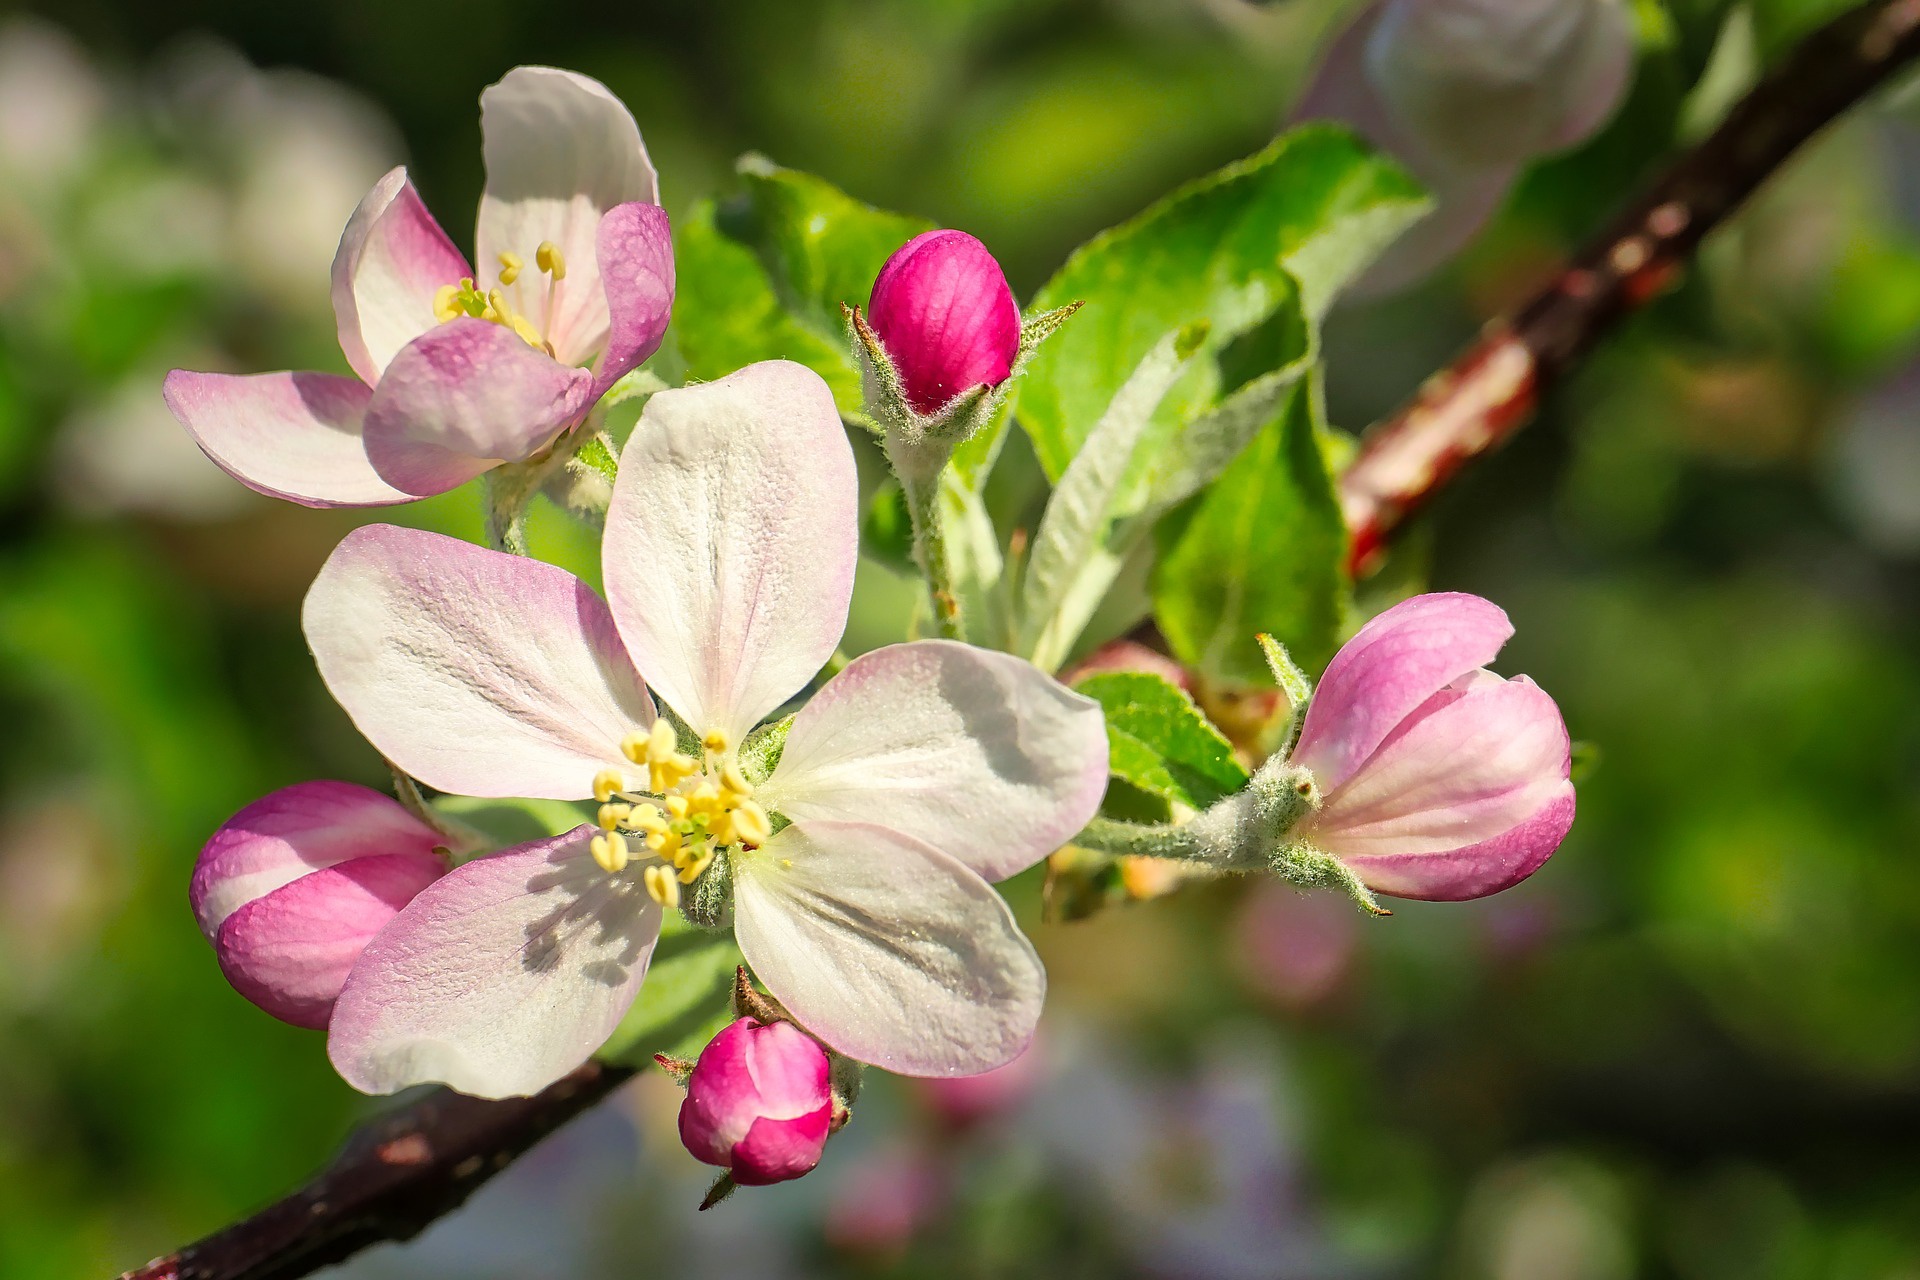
pixel 980 754
pixel 778 1150
pixel 1394 664
pixel 1475 870
pixel 462 400
pixel 731 542
pixel 289 952
pixel 500 978
pixel 477 672
pixel 942 309
pixel 635 251
pixel 393 258
pixel 293 831
pixel 287 435
pixel 746 1073
pixel 1469 765
pixel 560 151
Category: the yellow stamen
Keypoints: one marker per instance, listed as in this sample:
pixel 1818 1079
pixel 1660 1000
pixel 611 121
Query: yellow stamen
pixel 510 267
pixel 751 826
pixel 691 871
pixel 610 851
pixel 446 303
pixel 715 741
pixel 607 784
pixel 548 258
pixel 662 887
pixel 612 815
pixel 733 782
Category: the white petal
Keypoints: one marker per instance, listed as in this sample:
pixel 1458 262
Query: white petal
pixel 887 949
pixel 393 259
pixel 476 672
pixel 560 151
pixel 500 978
pixel 980 754
pixel 731 541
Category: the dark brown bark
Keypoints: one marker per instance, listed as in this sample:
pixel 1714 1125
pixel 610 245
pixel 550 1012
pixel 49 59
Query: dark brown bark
pixel 397 1175
pixel 1492 390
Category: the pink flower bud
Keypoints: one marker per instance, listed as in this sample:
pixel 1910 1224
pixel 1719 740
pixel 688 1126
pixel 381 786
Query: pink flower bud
pixel 1438 779
pixel 759 1103
pixel 943 311
pixel 292 889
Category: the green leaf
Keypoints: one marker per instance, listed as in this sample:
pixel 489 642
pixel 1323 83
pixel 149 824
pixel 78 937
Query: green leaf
pixel 1259 552
pixel 686 998
pixel 1314 207
pixel 1159 742
pixel 886 531
pixel 819 245
pixel 726 314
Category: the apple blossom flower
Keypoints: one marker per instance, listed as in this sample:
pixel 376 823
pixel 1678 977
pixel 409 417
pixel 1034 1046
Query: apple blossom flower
pixel 1466 93
pixel 943 310
pixel 457 369
pixel 858 867
pixel 1437 778
pixel 292 888
pixel 759 1103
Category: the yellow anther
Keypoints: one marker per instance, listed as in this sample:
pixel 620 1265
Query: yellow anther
pixel 510 267
pixel 647 817
pixel 662 886
pixel 607 784
pixel 733 782
pixel 750 823
pixel 664 843
pixel 691 872
pixel 612 815
pixel 547 257
pixel 715 741
pixel 678 807
pixel 446 303
pixel 610 851
pixel 706 798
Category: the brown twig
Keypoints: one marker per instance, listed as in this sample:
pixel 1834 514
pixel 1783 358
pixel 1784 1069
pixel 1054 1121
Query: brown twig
pixel 397 1176
pixel 1491 391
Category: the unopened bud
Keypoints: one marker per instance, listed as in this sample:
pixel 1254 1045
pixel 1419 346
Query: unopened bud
pixel 759 1103
pixel 943 310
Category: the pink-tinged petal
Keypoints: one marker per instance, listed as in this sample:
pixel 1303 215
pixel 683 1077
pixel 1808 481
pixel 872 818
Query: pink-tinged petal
pixel 635 251
pixel 463 399
pixel 1475 870
pixel 1393 665
pixel 980 754
pixel 289 952
pixel 560 151
pixel 287 435
pixel 942 309
pixel 477 672
pixel 1476 760
pixel 887 949
pixel 500 978
pixel 780 1150
pixel 292 832
pixel 393 258
pixel 731 541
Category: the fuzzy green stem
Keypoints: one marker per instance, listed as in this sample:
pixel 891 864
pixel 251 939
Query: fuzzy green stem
pixel 930 548
pixel 507 495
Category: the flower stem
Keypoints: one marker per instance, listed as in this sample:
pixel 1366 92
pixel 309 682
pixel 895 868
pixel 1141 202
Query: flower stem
pixel 930 548
pixel 507 495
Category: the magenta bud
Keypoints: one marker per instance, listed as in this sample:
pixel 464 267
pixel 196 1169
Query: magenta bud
pixel 293 887
pixel 942 309
pixel 759 1103
pixel 1438 779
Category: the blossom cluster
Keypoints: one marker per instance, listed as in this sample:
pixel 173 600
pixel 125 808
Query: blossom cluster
pixel 847 830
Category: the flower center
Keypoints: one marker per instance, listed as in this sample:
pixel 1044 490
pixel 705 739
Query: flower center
pixel 687 811
pixel 492 305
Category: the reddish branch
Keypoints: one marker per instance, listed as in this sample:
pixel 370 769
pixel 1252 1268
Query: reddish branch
pixel 397 1176
pixel 401 1173
pixel 1491 391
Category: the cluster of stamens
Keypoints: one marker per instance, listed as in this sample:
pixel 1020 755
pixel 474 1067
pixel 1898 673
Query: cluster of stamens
pixel 689 811
pixel 467 299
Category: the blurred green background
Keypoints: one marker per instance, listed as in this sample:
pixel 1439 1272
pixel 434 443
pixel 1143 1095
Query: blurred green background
pixel 1689 1047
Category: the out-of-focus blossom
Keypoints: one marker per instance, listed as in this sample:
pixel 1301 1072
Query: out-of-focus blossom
pixel 885 1200
pixel 1438 779
pixel 914 777
pixel 1130 655
pixel 759 1103
pixel 458 370
pixel 52 103
pixel 292 888
pixel 1466 93
pixel 960 1101
pixel 946 316
pixel 1294 948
